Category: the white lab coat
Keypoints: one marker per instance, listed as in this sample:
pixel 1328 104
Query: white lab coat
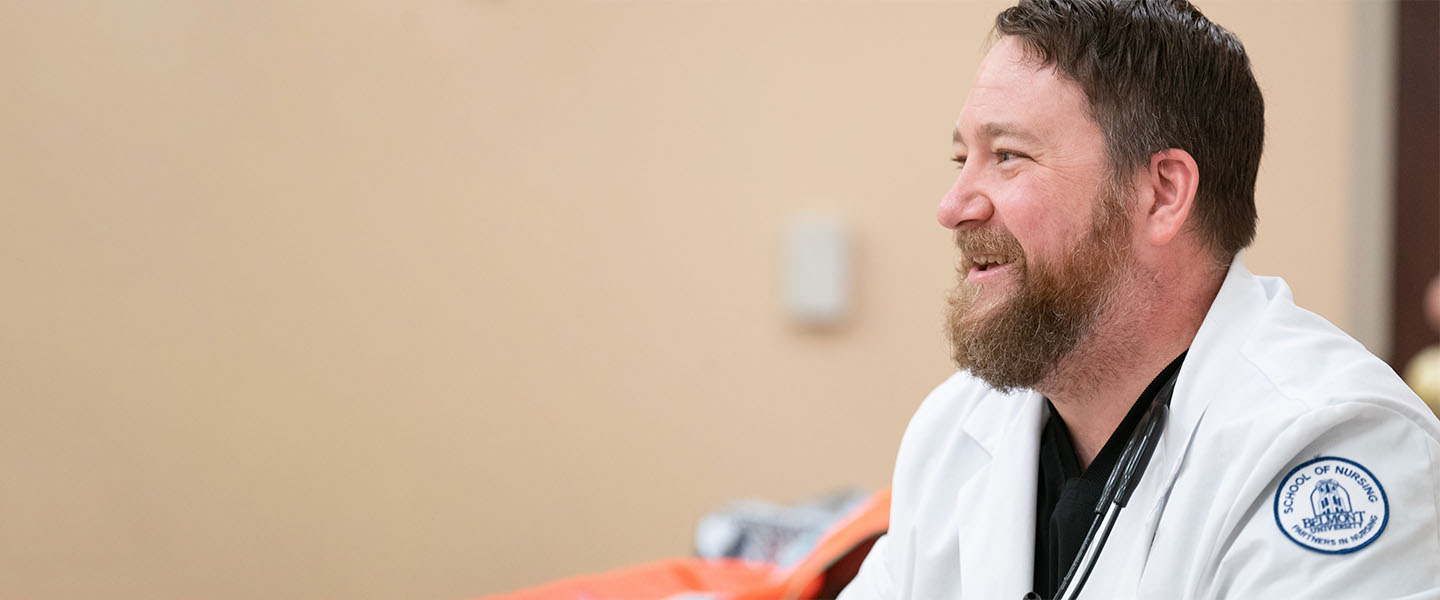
pixel 1266 387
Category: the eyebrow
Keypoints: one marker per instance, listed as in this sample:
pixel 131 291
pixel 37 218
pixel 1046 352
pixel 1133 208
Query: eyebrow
pixel 998 129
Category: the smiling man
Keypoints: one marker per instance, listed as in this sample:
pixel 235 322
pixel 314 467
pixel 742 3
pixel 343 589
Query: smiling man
pixel 1115 353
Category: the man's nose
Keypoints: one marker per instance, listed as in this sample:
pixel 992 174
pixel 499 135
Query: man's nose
pixel 964 205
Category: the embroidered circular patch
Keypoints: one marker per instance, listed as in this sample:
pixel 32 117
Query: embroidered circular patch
pixel 1332 505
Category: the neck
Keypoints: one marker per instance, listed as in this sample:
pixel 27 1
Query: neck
pixel 1138 333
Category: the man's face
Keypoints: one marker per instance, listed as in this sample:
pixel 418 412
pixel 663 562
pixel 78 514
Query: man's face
pixel 1040 223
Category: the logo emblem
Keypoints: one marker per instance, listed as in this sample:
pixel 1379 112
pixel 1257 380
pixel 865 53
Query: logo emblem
pixel 1331 505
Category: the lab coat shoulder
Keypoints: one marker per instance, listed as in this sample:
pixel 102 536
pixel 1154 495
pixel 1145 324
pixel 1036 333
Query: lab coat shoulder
pixel 1270 367
pixel 1297 394
pixel 1310 361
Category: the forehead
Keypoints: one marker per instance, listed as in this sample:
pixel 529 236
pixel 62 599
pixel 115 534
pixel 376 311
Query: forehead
pixel 1012 92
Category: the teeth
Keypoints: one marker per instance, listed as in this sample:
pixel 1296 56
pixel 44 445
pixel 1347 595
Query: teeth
pixel 987 260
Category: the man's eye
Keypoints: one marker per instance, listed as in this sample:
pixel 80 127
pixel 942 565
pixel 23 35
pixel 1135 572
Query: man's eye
pixel 1005 155
pixel 959 162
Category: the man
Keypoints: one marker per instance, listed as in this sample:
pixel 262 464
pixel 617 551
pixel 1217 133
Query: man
pixel 1108 154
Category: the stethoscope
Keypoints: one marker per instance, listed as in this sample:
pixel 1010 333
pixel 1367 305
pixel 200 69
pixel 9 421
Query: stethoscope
pixel 1121 483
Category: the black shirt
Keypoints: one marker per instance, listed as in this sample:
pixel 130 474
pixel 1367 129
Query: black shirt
pixel 1066 497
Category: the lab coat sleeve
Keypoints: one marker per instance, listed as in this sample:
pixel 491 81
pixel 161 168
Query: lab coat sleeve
pixel 873 582
pixel 1253 556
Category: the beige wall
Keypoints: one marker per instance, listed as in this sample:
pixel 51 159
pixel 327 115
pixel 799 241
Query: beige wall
pixel 398 299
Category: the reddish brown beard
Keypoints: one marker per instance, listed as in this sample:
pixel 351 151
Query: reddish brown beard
pixel 1019 342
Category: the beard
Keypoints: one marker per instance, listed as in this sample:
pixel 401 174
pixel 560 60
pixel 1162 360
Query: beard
pixel 1020 340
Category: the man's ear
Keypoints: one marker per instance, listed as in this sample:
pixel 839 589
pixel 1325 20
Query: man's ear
pixel 1173 178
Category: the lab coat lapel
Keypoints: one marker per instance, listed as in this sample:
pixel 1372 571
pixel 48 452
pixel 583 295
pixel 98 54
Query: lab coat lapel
pixel 997 505
pixel 1207 367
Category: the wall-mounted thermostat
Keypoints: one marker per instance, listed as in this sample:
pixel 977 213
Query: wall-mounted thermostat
pixel 817 269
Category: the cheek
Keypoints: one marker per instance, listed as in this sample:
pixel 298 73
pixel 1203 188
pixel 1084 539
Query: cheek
pixel 1048 220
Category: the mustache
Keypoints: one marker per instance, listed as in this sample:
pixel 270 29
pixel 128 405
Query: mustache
pixel 989 242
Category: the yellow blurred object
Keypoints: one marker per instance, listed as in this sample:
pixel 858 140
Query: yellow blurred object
pixel 1423 375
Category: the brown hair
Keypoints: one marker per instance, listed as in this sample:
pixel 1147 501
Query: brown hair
pixel 1160 75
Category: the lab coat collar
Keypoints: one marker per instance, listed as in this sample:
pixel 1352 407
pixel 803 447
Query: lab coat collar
pixel 1231 320
pixel 1009 431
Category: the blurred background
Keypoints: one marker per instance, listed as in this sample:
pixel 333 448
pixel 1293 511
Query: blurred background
pixel 441 298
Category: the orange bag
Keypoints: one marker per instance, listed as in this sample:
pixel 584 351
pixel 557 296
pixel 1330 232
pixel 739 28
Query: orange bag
pixel 821 574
